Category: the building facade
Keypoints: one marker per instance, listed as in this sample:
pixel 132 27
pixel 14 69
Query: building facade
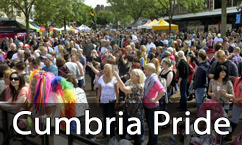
pixel 209 19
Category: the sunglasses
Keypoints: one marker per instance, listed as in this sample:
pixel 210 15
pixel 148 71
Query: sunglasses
pixel 15 78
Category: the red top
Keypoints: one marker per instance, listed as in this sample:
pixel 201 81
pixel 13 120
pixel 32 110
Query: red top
pixel 238 89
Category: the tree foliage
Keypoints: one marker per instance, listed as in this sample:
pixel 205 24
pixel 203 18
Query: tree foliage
pixel 133 8
pixel 24 5
pixel 104 17
pixel 152 9
pixel 60 12
pixel 169 6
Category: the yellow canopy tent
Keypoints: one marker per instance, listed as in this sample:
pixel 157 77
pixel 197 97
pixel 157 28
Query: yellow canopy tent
pixel 150 24
pixel 163 25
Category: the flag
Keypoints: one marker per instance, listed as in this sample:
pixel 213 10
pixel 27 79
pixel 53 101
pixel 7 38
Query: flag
pixel 91 13
pixel 237 19
pixel 51 30
pixel 41 30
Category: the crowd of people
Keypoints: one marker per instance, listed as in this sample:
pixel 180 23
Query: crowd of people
pixel 135 71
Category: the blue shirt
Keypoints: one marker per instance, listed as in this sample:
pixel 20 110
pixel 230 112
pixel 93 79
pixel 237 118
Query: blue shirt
pixel 52 68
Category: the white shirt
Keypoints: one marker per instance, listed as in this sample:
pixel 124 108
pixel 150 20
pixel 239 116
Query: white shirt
pixel 108 90
pixel 57 52
pixel 103 49
pixel 148 46
pixel 165 42
pixel 14 56
pixel 134 38
pixel 216 39
pixel 50 49
pixel 82 103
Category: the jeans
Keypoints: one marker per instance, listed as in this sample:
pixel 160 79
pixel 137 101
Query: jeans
pixel 237 111
pixel 108 111
pixel 80 83
pixel 149 113
pixel 136 137
pixel 199 95
pixel 163 104
pixel 183 92
pixel 142 128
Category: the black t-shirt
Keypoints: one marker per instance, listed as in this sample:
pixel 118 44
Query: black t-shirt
pixel 151 56
pixel 158 44
pixel 10 54
pixel 123 68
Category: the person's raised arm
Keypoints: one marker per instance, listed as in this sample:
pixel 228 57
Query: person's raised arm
pixel 125 89
pixel 93 68
pixel 125 61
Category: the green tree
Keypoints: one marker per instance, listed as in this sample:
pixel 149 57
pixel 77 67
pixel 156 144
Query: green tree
pixel 57 11
pixel 134 8
pixel 62 12
pixel 24 5
pixel 103 17
pixel 171 5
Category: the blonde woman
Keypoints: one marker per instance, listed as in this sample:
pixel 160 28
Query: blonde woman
pixel 183 72
pixel 68 47
pixel 73 51
pixel 129 49
pixel 108 95
pixel 134 99
pixel 156 62
pixel 143 50
pixel 59 51
pixel 153 92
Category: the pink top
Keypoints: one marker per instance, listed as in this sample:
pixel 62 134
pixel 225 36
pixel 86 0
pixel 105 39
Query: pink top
pixel 23 91
pixel 153 93
pixel 210 42
pixel 173 59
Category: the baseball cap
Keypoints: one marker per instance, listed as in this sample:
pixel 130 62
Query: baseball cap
pixel 48 56
pixel 26 46
pixel 210 50
pixel 219 35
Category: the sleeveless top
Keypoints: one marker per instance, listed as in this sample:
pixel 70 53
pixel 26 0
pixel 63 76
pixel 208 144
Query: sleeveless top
pixel 164 75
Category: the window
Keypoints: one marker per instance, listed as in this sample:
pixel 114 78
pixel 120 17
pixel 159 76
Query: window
pixel 236 2
pixel 182 10
pixel 207 4
pixel 217 4
pixel 229 3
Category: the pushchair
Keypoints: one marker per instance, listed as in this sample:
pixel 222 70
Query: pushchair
pixel 217 111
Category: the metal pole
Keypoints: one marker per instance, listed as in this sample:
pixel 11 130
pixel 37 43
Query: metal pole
pixel 5 127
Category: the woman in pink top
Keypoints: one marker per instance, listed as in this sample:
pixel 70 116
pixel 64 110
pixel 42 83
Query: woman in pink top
pixel 210 40
pixel 153 91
